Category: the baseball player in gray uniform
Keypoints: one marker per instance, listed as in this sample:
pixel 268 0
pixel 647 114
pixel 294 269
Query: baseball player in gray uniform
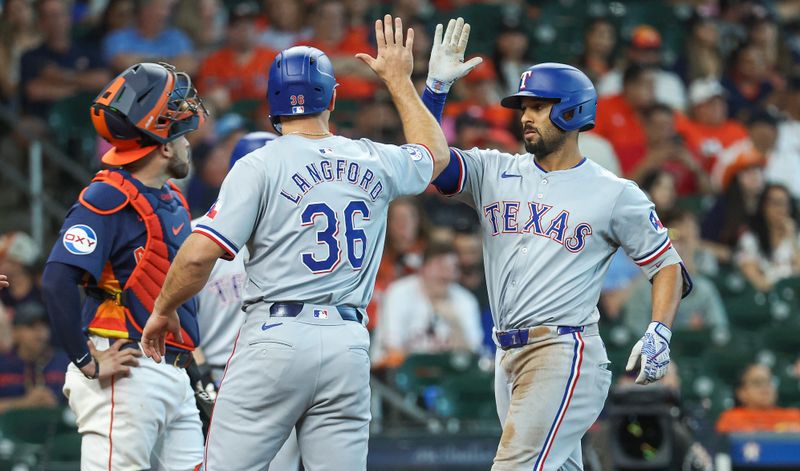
pixel 219 314
pixel 313 207
pixel 552 220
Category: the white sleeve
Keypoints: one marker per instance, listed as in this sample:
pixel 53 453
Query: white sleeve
pixel 636 228
pixel 231 220
pixel 409 167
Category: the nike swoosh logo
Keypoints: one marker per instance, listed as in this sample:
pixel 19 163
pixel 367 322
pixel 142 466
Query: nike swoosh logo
pixel 82 358
pixel 509 175
pixel 266 326
pixel 659 263
pixel 176 230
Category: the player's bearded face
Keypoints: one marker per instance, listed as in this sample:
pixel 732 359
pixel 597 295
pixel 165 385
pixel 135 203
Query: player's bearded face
pixel 543 139
pixel 178 165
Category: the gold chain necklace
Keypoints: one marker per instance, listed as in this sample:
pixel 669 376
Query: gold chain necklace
pixel 317 134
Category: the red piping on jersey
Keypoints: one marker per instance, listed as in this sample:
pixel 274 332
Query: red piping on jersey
pixel 148 277
pixel 219 391
pixel 111 426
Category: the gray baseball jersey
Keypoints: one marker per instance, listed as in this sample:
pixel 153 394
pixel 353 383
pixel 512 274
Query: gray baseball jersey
pixel 549 237
pixel 315 211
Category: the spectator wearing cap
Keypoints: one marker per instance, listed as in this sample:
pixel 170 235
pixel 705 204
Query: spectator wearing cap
pixel 747 82
pixel 151 39
pixel 32 373
pixel 762 138
pixel 757 407
pixel 620 117
pixel 645 50
pixel 19 256
pixel 59 68
pixel 331 35
pixel 428 312
pixel 510 48
pixel 770 250
pixel 599 43
pixel 286 27
pixel 707 131
pixel 238 71
pixel 666 150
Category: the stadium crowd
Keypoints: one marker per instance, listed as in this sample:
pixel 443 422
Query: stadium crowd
pixel 699 104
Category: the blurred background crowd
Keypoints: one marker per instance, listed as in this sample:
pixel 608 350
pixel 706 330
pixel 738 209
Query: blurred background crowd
pixel 699 104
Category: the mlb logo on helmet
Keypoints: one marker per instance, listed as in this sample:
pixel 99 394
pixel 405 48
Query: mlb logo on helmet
pixel 298 109
pixel 321 313
pixel 80 239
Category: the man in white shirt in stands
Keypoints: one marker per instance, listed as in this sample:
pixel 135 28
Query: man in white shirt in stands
pixel 428 312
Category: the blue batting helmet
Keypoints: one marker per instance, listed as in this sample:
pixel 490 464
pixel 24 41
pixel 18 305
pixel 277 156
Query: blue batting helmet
pixel 301 82
pixel 576 97
pixel 248 143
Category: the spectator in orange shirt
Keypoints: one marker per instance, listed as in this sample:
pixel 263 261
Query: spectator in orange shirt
pixel 331 35
pixel 666 150
pixel 619 117
pixel 707 130
pixel 238 71
pixel 756 406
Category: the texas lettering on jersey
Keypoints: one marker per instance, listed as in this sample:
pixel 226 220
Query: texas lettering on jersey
pixel 542 221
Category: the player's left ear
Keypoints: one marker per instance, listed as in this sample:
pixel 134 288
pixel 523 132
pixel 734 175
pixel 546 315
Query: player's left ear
pixel 332 104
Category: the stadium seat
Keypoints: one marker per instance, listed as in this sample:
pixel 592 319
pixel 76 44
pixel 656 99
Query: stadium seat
pixel 65 451
pixel 749 309
pixel 425 369
pixel 729 281
pixel 31 426
pixel 70 122
pixel 727 362
pixel 690 343
pixel 469 396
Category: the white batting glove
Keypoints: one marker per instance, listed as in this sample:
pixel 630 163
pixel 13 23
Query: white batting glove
pixel 447 56
pixel 651 354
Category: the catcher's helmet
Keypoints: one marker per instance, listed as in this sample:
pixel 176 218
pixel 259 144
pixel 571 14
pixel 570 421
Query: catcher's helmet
pixel 301 82
pixel 147 105
pixel 248 143
pixel 570 87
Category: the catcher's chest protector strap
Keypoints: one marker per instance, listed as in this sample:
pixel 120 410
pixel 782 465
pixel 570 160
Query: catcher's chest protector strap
pixel 151 269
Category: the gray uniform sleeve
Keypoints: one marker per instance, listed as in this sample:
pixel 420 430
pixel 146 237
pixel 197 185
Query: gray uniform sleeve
pixel 409 167
pixel 231 220
pixel 637 229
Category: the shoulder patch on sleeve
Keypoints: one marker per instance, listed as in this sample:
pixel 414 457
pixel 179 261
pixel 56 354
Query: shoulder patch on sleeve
pixel 103 198
pixel 80 239
pixel 414 151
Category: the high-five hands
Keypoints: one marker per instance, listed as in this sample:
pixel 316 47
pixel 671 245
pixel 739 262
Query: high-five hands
pixel 395 61
pixel 447 56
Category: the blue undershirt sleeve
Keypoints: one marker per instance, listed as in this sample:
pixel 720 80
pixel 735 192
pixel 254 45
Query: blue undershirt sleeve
pixel 62 298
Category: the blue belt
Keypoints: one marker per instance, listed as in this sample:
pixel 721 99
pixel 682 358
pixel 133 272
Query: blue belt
pixel 518 337
pixel 348 313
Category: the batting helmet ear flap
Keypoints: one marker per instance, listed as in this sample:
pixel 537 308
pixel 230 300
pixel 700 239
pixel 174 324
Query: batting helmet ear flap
pixel 332 103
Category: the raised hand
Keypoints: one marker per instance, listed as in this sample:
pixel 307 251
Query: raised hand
pixel 395 60
pixel 447 56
